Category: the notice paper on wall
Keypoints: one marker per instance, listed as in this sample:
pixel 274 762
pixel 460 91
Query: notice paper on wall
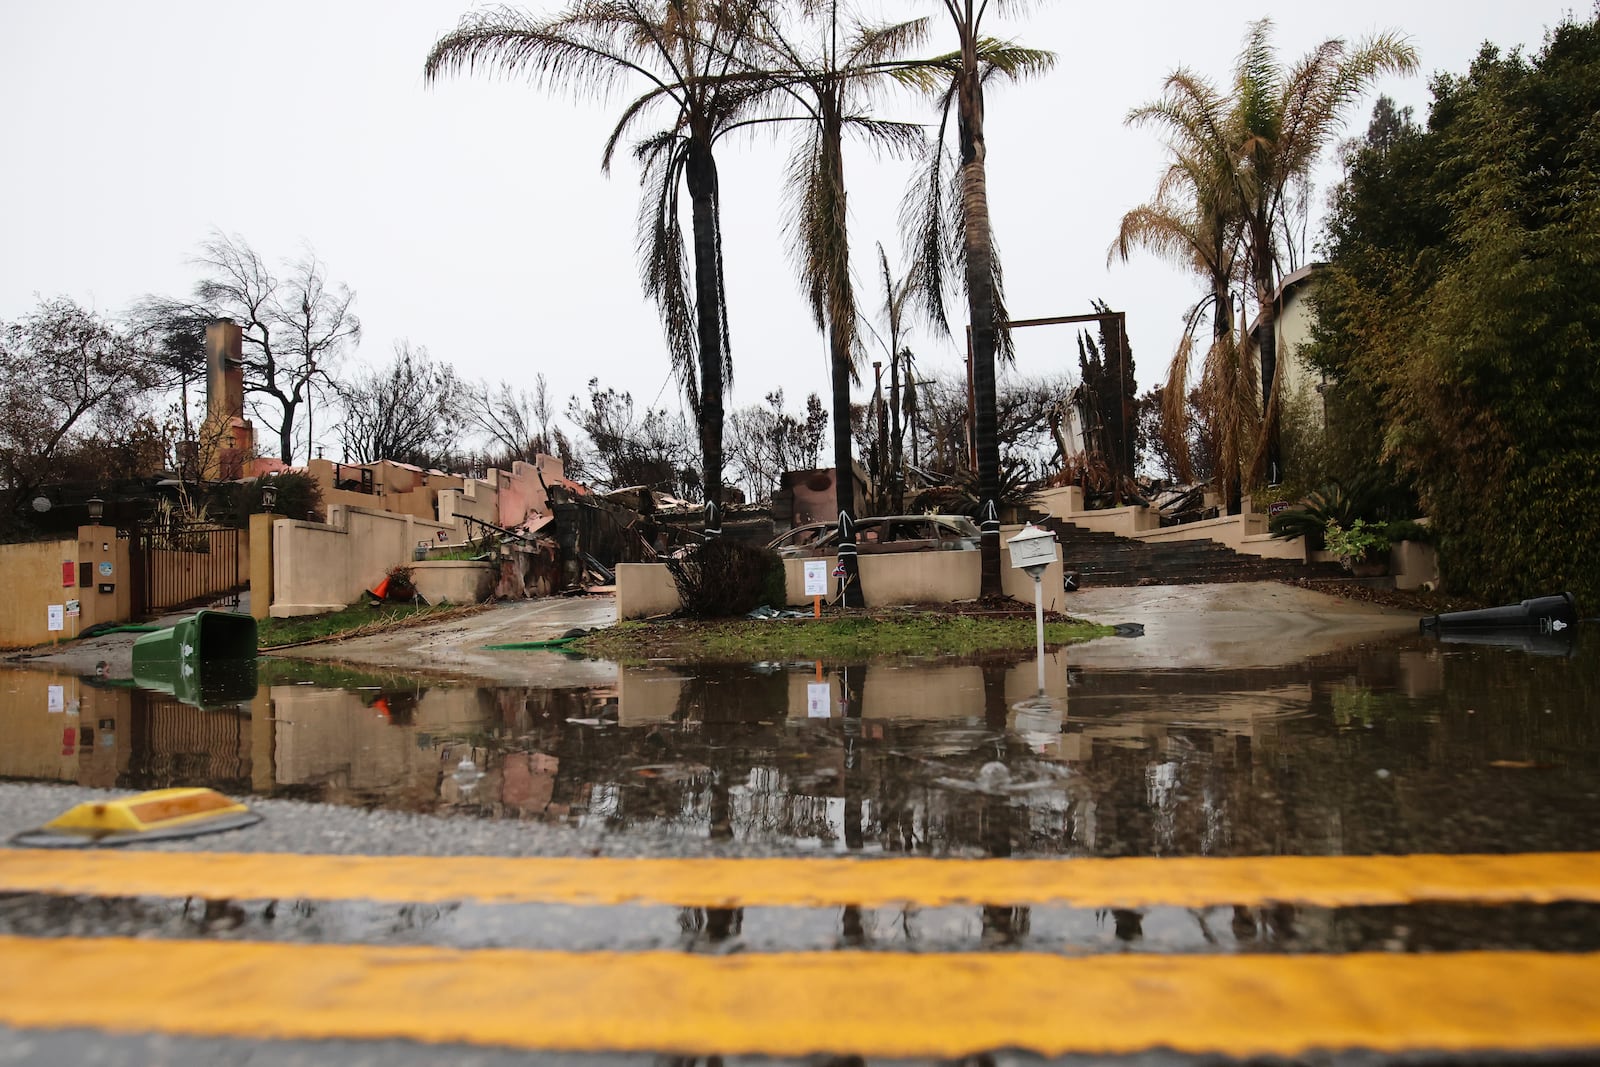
pixel 819 700
pixel 56 617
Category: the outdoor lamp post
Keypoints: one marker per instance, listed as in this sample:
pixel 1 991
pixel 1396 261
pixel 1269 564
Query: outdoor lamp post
pixel 1032 550
pixel 269 496
pixel 97 510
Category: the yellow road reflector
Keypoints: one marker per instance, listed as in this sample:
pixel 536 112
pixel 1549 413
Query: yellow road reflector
pixel 1247 881
pixel 157 815
pixel 797 1004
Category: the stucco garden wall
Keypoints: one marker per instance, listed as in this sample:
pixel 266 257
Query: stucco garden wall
pixel 31 574
pixel 321 567
pixel 887 579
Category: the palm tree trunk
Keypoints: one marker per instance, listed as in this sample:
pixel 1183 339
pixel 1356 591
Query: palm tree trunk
pixel 1228 472
pixel 980 305
pixel 839 337
pixel 1267 325
pixel 701 174
pixel 897 485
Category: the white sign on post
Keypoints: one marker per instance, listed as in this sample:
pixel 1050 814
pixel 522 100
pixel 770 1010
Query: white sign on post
pixel 819 699
pixel 56 617
pixel 816 577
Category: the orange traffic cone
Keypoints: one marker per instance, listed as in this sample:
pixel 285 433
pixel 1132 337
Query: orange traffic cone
pixel 380 590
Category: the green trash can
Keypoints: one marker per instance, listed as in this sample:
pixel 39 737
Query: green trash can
pixel 205 660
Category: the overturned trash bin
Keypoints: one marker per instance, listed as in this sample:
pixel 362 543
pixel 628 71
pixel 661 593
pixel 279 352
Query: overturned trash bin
pixel 206 660
pixel 1551 615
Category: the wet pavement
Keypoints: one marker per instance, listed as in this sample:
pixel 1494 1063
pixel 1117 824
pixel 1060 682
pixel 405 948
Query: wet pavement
pixel 1393 745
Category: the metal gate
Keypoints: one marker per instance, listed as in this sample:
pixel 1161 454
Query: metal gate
pixel 174 565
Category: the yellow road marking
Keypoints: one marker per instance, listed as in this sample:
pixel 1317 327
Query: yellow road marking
pixel 1349 881
pixel 797 1004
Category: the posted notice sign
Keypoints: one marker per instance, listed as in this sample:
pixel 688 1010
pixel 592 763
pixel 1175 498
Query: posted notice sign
pixel 819 700
pixel 816 577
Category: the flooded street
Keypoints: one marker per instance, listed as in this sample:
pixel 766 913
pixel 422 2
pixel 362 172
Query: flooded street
pixel 819 788
pixel 1399 746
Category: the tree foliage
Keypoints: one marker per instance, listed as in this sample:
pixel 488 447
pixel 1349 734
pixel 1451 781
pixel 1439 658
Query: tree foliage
pixel 679 52
pixel 1461 314
pixel 74 390
pixel 1227 206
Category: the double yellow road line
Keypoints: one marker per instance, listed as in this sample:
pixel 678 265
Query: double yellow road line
pixel 790 1004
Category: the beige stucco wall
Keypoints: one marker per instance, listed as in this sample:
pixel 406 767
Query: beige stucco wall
pixel 475 499
pixel 320 567
pixel 1296 320
pixel 1413 564
pixel 31 575
pixel 1230 530
pixel 459 581
pixel 645 589
pixel 887 579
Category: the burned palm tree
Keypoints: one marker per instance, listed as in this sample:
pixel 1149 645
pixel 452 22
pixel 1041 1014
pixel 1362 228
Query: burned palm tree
pixel 948 212
pixel 680 51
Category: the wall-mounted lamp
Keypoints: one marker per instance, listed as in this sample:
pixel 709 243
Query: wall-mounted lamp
pixel 97 510
pixel 269 496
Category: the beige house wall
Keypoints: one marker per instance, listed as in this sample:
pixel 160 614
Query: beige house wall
pixel 321 567
pixel 31 575
pixel 475 499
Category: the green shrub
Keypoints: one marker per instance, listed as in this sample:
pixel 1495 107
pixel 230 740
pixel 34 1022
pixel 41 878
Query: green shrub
pixel 1360 542
pixel 1408 530
pixel 1362 498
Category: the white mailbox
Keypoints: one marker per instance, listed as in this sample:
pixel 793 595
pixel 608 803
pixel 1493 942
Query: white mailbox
pixel 1032 550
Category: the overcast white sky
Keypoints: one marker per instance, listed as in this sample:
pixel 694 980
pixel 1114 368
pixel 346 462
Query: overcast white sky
pixel 472 218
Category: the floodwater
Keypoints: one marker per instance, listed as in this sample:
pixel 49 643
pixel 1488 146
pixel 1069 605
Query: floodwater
pixel 1407 745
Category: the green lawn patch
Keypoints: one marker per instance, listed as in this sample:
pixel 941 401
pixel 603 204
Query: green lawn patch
pixel 357 620
pixel 855 637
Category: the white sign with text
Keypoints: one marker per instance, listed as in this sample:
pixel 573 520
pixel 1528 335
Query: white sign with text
pixel 816 577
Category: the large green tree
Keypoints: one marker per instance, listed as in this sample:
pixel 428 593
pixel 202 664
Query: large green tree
pixel 1461 314
pixel 680 52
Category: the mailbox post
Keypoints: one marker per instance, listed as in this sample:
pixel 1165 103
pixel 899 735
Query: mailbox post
pixel 1032 550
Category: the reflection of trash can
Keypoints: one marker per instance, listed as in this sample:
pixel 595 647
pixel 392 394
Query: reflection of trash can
pixel 1542 615
pixel 208 658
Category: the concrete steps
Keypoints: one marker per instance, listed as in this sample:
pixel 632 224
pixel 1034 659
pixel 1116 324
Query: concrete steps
pixel 1105 559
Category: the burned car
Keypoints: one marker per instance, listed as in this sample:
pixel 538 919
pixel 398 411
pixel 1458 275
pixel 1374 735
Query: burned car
pixel 882 533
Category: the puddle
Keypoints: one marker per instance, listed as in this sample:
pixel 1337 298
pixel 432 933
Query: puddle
pixel 1400 746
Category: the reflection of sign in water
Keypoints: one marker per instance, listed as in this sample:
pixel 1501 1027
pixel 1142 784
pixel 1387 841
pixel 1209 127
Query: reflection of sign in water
pixel 56 617
pixel 816 577
pixel 55 699
pixel 105 569
pixel 819 699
